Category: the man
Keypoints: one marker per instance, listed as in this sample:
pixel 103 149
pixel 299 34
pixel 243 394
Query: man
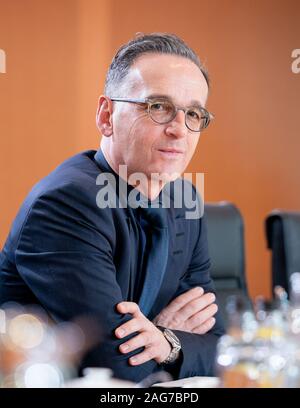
pixel 138 270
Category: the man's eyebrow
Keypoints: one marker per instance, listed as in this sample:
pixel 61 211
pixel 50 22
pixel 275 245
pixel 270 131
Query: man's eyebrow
pixel 169 98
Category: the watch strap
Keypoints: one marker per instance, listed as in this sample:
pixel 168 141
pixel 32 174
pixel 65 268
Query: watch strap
pixel 174 342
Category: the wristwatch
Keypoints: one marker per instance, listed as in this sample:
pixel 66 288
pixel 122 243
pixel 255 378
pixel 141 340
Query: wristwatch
pixel 175 344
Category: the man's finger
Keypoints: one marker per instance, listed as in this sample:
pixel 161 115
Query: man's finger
pixel 128 307
pixel 138 341
pixel 183 299
pixel 205 327
pixel 202 316
pixel 132 326
pixel 196 305
pixel 147 355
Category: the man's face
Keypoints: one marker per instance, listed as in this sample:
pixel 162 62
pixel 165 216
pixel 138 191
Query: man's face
pixel 138 142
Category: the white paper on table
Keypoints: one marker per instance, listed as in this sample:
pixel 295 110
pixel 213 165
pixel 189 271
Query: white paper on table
pixel 192 382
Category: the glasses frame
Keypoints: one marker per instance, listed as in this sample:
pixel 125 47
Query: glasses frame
pixel 207 115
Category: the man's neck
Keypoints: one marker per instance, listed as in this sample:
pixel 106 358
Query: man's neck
pixel 148 187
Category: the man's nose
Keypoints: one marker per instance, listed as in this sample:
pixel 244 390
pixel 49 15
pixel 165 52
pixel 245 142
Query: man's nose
pixel 177 127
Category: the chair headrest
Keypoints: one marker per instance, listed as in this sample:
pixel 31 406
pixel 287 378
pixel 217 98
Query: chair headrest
pixel 225 240
pixel 284 226
pixel 290 223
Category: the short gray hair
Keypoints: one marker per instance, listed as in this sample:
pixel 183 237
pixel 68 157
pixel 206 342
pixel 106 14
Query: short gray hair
pixel 160 43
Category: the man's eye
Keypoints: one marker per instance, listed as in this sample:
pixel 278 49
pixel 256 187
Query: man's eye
pixel 158 106
pixel 194 115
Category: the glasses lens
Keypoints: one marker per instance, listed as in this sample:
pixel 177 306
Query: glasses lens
pixel 197 119
pixel 162 111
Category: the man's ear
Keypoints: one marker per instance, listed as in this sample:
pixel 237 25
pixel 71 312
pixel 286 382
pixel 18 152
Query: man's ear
pixel 104 116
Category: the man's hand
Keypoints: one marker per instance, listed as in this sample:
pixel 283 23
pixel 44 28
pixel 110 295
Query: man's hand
pixel 192 312
pixel 156 346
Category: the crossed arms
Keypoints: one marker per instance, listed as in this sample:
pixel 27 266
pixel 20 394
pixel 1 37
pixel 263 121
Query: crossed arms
pixel 68 265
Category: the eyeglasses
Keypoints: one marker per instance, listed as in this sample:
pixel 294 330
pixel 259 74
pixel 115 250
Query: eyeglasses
pixel 164 111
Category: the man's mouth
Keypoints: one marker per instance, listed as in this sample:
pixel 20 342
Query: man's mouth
pixel 171 152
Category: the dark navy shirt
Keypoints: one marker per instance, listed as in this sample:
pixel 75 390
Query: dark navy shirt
pixel 144 233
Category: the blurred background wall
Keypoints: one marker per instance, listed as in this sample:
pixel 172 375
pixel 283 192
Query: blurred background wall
pixel 57 53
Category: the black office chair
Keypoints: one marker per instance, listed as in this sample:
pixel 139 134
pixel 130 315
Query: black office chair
pixel 226 247
pixel 283 238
